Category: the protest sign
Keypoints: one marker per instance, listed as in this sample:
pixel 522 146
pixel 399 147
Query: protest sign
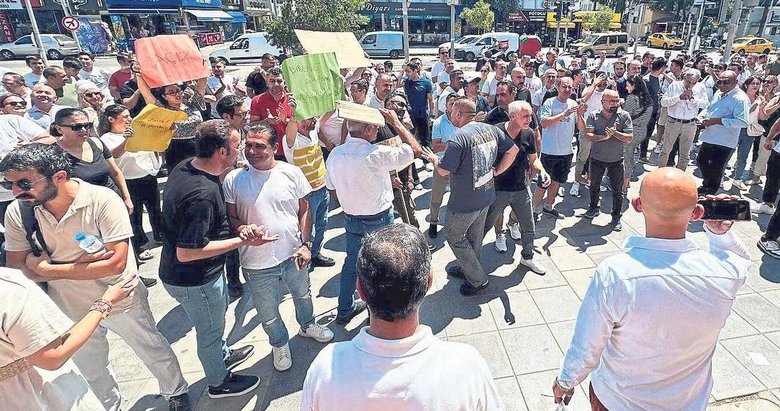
pixel 349 54
pixel 170 59
pixel 315 82
pixel 152 128
pixel 360 113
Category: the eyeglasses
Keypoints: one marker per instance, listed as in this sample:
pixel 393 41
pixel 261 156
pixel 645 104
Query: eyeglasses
pixel 77 126
pixel 723 82
pixel 23 184
pixel 174 92
pixel 16 103
pixel 95 94
pixel 400 104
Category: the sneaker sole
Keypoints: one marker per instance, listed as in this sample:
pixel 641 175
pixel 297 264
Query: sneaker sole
pixel 234 365
pixel 236 394
pixel 590 217
pixel 322 340
pixel 282 369
pixel 774 254
pixel 532 270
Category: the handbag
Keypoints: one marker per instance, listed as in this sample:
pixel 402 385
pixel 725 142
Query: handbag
pixel 755 130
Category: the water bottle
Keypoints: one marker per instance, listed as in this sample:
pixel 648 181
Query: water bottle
pixel 88 242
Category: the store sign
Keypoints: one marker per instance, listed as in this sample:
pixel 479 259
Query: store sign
pixel 518 17
pixel 435 9
pixel 7 28
pixel 536 15
pixel 10 4
pixel 256 7
pixel 775 19
pixel 209 39
pixel 145 4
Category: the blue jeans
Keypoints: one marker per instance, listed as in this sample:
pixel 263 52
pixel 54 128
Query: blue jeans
pixel 743 152
pixel 264 286
pixel 205 305
pixel 318 206
pixel 356 227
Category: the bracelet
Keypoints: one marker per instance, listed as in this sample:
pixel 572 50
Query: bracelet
pixel 102 306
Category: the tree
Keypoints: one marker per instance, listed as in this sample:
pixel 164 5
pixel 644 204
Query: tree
pixel 480 17
pixel 317 15
pixel 602 19
pixel 502 8
pixel 676 7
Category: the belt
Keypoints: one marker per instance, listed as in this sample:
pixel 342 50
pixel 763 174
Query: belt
pixel 15 368
pixel 682 121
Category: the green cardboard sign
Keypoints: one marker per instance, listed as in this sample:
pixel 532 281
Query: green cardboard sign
pixel 314 81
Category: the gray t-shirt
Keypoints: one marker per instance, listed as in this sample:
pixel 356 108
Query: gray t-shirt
pixel 469 157
pixel 556 139
pixel 611 149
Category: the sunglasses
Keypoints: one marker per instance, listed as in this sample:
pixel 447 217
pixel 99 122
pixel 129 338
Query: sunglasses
pixel 400 104
pixel 723 82
pixel 16 103
pixel 77 126
pixel 95 94
pixel 23 184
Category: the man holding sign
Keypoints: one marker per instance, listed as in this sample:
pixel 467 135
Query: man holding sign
pixel 265 107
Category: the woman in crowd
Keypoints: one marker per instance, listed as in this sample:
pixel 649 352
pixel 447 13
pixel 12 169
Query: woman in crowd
pixel 748 135
pixel 92 101
pixel 639 105
pixel 13 104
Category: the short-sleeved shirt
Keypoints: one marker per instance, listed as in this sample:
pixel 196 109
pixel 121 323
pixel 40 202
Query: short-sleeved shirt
pixel 557 138
pixel 43 118
pixel 31 79
pixel 442 130
pixel 611 149
pixel 12 129
pixel 95 210
pixel 194 213
pixel 119 78
pixel 265 103
pixel 470 155
pixel 268 198
pixel 66 96
pixel 514 178
pixel 307 155
pixel 134 165
pixel 127 91
pixel 417 92
pixel 97 171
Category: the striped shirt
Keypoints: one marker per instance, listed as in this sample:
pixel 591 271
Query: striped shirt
pixel 307 155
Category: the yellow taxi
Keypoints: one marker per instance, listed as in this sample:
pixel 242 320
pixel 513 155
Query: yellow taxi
pixel 750 44
pixel 665 41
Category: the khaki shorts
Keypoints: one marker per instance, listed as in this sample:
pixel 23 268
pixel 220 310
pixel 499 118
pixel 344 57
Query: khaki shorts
pixel 663 116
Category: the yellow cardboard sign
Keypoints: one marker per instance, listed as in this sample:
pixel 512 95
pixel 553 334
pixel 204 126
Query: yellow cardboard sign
pixel 359 113
pixel 349 54
pixel 153 128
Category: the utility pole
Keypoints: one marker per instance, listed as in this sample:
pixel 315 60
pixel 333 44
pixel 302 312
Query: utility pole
pixel 696 39
pixel 405 8
pixel 36 32
pixel 558 27
pixel 736 14
pixel 452 4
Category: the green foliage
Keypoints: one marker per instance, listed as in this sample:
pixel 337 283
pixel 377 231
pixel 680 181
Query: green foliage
pixel 480 17
pixel 318 15
pixel 602 19
pixel 676 7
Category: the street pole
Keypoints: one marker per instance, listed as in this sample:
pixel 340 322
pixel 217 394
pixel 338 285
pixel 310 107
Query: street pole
pixel 452 27
pixel 558 27
pixel 696 39
pixel 66 11
pixel 639 32
pixel 36 32
pixel 735 16
pixel 405 8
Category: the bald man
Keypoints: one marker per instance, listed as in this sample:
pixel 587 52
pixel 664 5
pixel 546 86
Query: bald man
pixel 650 319
pixel 43 108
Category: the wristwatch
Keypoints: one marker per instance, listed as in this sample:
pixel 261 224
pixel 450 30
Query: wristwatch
pixel 307 244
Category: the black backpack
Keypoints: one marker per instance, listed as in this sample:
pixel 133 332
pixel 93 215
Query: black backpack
pixel 31 230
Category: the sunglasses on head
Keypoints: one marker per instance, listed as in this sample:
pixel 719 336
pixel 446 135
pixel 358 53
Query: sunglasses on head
pixel 23 184
pixel 16 103
pixel 78 126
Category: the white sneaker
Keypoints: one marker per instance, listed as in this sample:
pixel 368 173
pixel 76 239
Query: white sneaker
pixel 514 231
pixel 533 266
pixel 282 358
pixel 763 208
pixel 318 332
pixel 739 185
pixel 575 189
pixel 501 243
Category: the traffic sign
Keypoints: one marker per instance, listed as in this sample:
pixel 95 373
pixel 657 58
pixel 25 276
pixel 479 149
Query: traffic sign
pixel 70 23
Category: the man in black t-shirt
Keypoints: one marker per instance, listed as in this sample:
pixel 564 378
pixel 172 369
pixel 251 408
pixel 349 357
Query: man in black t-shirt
pixel 512 186
pixel 196 236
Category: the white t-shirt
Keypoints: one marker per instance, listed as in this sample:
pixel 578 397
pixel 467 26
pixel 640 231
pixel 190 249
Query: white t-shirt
pixel 438 68
pixel 133 164
pixel 268 198
pixel 12 129
pixel 99 76
pixel 213 84
pixel 419 372
pixel 594 102
pixel 556 139
pixel 331 129
pixel 533 83
pixel 29 321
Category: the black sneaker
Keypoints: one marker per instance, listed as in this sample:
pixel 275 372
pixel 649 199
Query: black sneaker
pixel 237 356
pixel 360 305
pixel 180 402
pixel 456 272
pixel 552 212
pixel 235 290
pixel 467 289
pixel 322 261
pixel 433 230
pixel 234 385
pixel 148 282
pixel 592 213
pixel 617 223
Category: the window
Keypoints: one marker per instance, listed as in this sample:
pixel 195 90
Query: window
pixel 370 39
pixel 601 40
pixel 623 38
pixel 24 40
pixel 240 44
pixel 613 39
pixel 47 40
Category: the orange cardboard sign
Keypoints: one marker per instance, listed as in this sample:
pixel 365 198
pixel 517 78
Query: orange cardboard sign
pixel 170 59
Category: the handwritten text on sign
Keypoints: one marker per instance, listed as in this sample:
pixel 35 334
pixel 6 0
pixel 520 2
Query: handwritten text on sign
pixel 170 59
pixel 152 128
pixel 315 82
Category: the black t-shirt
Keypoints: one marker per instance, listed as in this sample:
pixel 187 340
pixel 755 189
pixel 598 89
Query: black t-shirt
pixel 193 213
pixel 127 91
pixel 386 133
pixel 621 87
pixel 497 115
pixel 97 171
pixel 654 88
pixel 256 80
pixel 524 94
pixel 514 178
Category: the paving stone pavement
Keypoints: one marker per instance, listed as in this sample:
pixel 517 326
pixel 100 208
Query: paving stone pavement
pixel 522 325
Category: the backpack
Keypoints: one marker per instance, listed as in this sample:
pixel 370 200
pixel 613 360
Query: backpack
pixel 32 230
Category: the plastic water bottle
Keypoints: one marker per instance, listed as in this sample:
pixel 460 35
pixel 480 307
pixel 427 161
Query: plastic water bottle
pixel 88 242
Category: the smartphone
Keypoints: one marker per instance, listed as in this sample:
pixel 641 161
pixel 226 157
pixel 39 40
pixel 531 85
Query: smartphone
pixel 732 210
pixel 298 263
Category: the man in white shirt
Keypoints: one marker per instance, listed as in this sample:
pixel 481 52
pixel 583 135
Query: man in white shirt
pixel 650 319
pixel 395 363
pixel 220 84
pixel 43 108
pixel 36 66
pixel 489 88
pixel 273 194
pixel 382 88
pixel 438 67
pixel 592 98
pixel 532 81
pixel 682 100
pixel 359 173
pixel 455 87
pixel 550 63
pixel 548 84
pixel 97 75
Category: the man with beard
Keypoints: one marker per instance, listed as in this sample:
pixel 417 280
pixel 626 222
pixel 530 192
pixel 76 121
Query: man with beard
pixel 264 109
pixel 62 207
pixel 455 87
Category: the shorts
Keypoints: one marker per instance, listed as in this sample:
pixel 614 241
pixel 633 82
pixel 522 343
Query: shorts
pixel 663 116
pixel 557 167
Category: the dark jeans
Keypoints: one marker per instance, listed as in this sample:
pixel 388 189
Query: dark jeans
pixel 772 186
pixel 422 130
pixel 232 267
pixel 144 192
pixel 614 170
pixel 650 128
pixel 712 161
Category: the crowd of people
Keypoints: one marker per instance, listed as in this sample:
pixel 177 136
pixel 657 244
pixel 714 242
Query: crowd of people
pixel 249 188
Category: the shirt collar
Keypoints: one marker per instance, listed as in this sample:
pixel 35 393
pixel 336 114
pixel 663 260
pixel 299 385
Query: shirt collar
pixel 682 245
pixel 357 141
pixel 82 198
pixel 418 342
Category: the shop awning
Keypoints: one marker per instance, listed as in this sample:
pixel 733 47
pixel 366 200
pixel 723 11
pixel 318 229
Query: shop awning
pixel 238 17
pixel 210 15
pixel 564 25
pixel 143 11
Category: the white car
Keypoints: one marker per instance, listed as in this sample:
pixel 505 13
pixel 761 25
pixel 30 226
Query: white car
pixel 56 47
pixel 463 41
pixel 247 48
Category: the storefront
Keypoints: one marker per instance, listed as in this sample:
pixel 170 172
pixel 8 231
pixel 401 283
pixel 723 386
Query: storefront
pixel 526 22
pixel 574 27
pixel 429 23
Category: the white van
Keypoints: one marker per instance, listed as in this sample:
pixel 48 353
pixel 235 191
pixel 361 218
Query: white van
pixel 248 48
pixel 469 52
pixel 383 44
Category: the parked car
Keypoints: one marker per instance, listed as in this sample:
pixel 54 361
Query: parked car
pixel 469 52
pixel 56 47
pixel 383 44
pixel 247 48
pixel 469 39
pixel 665 41
pixel 750 44
pixel 613 42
